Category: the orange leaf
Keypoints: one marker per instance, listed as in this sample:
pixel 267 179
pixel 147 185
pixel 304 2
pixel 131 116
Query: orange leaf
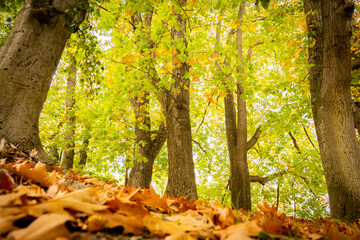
pixel 6 181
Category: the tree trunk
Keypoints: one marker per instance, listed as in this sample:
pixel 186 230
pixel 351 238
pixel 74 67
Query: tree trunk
pixel 181 179
pixel 330 76
pixel 148 146
pixel 85 147
pixel 141 173
pixel 67 160
pixel 28 60
pixel 240 181
pixel 236 131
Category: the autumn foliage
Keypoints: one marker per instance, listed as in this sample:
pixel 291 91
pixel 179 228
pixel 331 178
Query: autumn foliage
pixel 37 204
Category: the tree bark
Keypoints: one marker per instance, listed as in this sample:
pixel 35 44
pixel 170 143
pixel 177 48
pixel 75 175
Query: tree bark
pixel 28 60
pixel 236 131
pixel 85 147
pixel 148 146
pixel 181 179
pixel 67 160
pixel 239 171
pixel 330 76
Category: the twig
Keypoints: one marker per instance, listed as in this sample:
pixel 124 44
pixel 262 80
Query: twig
pixel 295 142
pixel 197 143
pixel 310 139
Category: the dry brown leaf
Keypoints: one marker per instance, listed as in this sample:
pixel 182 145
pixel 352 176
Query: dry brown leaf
pixel 151 199
pixel 8 199
pixel 6 181
pixel 136 209
pixel 81 201
pixel 48 226
pixel 181 236
pixel 6 223
pixel 239 231
pixel 130 224
pixel 161 228
pixel 95 223
pixel 38 174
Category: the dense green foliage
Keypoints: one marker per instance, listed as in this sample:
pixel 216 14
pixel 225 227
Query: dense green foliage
pixel 110 52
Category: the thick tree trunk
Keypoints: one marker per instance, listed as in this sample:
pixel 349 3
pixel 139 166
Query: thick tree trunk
pixel 28 60
pixel 148 146
pixel 67 160
pixel 181 180
pixel 141 173
pixel 330 76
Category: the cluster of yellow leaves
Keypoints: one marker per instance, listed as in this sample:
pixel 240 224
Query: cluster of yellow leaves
pixel 36 204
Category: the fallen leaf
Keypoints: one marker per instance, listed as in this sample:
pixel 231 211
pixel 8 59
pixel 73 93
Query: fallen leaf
pixel 131 224
pixel 8 199
pixel 48 226
pixel 6 223
pixel 81 201
pixel 6 181
pixel 239 231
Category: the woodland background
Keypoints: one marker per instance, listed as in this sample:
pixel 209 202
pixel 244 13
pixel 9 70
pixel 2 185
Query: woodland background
pixel 89 111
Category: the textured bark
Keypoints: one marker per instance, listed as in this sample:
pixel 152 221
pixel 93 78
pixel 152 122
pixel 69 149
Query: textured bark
pixel 236 131
pixel 181 180
pixel 141 173
pixel 67 159
pixel 84 148
pixel 28 60
pixel 239 171
pixel 329 26
pixel 148 146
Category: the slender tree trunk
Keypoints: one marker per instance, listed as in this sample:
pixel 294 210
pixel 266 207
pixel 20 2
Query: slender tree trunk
pixel 28 60
pixel 236 131
pixel 330 76
pixel 67 160
pixel 181 180
pixel 85 147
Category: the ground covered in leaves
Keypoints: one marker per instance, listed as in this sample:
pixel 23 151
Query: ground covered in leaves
pixel 37 204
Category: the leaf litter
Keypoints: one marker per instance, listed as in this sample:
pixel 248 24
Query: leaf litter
pixel 37 204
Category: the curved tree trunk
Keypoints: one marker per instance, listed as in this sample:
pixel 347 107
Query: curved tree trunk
pixel 147 145
pixel 28 60
pixel 181 180
pixel 141 173
pixel 330 76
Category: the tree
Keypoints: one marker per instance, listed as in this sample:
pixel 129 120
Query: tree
pixel 28 60
pixel 148 145
pixel 181 179
pixel 67 158
pixel 236 120
pixel 330 63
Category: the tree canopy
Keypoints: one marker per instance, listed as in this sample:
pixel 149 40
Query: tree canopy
pixel 122 57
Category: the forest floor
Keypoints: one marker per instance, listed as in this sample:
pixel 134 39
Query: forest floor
pixel 37 204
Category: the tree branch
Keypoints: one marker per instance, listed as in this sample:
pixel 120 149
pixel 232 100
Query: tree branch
pixel 254 139
pixel 264 180
pixel 197 143
pixel 249 52
pixel 307 135
pixel 295 142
